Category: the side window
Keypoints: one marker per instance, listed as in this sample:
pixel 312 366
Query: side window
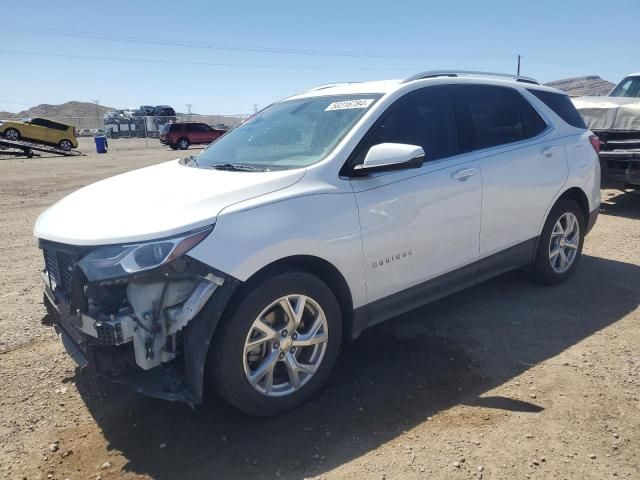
pixel 495 114
pixel 533 122
pixel 424 117
pixel 57 126
pixel 562 106
pixel 40 122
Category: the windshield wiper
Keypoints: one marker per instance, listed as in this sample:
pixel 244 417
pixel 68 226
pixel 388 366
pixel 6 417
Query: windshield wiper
pixel 238 167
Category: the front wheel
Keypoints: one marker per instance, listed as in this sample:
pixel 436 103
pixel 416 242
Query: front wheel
pixel 12 134
pixel 183 144
pixel 560 245
pixel 278 347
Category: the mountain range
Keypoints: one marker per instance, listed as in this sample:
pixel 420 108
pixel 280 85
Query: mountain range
pixel 576 86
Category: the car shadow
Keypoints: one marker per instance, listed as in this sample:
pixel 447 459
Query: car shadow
pixel 624 204
pixel 391 379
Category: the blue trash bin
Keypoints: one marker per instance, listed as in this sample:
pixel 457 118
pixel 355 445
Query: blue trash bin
pixel 101 143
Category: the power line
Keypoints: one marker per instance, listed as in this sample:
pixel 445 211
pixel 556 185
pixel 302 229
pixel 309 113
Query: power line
pixel 236 47
pixel 207 64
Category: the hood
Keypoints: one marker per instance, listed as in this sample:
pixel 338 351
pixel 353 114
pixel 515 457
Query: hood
pixel 609 113
pixel 153 202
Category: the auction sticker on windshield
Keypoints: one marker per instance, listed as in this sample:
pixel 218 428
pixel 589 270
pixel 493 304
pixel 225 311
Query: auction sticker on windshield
pixel 349 104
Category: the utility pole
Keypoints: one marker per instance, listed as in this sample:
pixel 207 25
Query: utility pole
pixel 97 104
pixel 189 105
pixel 518 64
pixel 255 108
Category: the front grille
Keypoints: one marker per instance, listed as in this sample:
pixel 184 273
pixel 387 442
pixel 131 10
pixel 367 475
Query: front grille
pixel 60 266
pixel 109 333
pixel 618 139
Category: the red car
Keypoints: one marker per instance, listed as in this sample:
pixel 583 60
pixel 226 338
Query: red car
pixel 180 135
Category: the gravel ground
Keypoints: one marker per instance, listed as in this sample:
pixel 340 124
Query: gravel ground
pixel 504 380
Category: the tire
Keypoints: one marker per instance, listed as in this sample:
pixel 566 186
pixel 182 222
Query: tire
pixel 183 143
pixel 12 134
pixel 65 145
pixel 550 268
pixel 231 362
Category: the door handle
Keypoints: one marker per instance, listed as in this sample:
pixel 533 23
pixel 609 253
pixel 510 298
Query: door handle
pixel 548 151
pixel 462 175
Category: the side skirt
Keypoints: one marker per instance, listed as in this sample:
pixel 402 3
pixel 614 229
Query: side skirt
pixel 406 300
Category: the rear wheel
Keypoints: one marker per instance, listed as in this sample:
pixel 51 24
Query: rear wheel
pixel 12 134
pixel 560 245
pixel 183 143
pixel 65 145
pixel 278 347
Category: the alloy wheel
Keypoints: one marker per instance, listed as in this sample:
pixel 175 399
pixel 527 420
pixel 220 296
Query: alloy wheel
pixel 285 345
pixel 564 243
pixel 12 134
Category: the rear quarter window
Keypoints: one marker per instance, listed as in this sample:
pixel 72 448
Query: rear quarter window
pixel 562 106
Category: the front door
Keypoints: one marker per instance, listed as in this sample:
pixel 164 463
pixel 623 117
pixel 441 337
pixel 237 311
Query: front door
pixel 420 227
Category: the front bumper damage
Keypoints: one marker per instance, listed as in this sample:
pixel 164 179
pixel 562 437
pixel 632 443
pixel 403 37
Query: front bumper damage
pixel 619 157
pixel 151 330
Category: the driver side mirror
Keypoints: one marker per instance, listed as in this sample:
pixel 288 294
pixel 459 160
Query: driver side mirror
pixel 391 156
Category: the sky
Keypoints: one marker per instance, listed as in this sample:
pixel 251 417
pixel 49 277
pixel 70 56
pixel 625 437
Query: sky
pixel 233 57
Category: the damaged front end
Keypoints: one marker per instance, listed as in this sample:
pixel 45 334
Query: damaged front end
pixel 130 312
pixel 619 157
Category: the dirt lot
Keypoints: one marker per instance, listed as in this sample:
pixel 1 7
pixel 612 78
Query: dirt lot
pixel 504 380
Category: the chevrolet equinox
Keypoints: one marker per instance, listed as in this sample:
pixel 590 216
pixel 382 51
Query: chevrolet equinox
pixel 249 264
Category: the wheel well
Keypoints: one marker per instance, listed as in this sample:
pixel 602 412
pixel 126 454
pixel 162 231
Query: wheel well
pixel 578 196
pixel 322 269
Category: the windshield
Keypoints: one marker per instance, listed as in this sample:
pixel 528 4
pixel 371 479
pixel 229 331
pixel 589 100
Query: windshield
pixel 288 134
pixel 628 87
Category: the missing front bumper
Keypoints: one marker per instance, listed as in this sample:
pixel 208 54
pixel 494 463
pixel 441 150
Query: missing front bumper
pixel 107 345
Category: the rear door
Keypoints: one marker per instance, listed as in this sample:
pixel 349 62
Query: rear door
pixel 523 166
pixel 196 133
pixel 36 130
pixel 418 224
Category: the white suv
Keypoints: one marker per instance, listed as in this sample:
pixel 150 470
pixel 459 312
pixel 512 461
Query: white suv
pixel 325 213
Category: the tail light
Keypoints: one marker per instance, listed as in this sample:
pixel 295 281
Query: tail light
pixel 595 143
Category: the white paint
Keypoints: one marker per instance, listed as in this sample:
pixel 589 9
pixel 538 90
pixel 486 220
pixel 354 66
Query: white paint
pixel 445 221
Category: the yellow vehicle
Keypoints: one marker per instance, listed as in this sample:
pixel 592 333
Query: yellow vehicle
pixel 41 130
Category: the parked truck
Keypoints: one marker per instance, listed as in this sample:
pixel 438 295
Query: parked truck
pixel 615 119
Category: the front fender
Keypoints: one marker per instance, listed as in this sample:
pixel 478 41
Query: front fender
pixel 321 225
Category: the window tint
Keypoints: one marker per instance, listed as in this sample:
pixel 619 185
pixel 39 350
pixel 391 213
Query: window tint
pixel 533 122
pixel 424 117
pixel 495 114
pixel 197 127
pixel 561 104
pixel 57 126
pixel 40 122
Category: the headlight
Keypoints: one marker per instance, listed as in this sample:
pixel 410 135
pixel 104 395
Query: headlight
pixel 114 261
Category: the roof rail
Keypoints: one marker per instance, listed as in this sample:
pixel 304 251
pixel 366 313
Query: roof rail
pixel 329 85
pixel 467 73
